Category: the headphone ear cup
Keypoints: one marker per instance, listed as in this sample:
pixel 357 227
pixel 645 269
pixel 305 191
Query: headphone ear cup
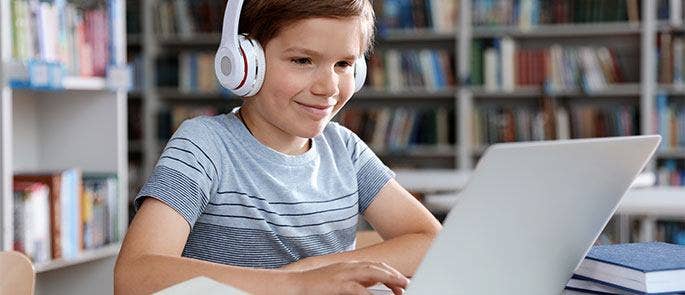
pixel 359 73
pixel 228 67
pixel 260 67
pixel 251 82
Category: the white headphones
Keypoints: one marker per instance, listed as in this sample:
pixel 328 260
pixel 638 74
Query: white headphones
pixel 239 63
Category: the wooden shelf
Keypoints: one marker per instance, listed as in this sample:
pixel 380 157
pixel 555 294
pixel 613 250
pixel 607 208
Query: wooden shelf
pixel 642 198
pixel 84 83
pixel 430 180
pixel 427 151
pixel 672 89
pixel 171 93
pixel 658 201
pixel 559 30
pixel 416 35
pixel 678 153
pixel 614 90
pixel 667 27
pixel 195 40
pixel 412 93
pixel 83 257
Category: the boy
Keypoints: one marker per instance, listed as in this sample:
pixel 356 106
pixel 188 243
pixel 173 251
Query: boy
pixel 270 193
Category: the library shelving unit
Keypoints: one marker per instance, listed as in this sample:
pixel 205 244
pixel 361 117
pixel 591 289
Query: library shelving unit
pixel 76 122
pixel 439 168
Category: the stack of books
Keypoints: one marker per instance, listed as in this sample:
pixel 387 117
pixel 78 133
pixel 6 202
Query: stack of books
pixel 639 268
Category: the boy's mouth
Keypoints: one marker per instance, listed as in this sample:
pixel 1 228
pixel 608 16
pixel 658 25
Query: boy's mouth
pixel 320 107
pixel 318 111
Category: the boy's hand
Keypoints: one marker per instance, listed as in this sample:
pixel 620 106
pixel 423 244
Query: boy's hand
pixel 347 278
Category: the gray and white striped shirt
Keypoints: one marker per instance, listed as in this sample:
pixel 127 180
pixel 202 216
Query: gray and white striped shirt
pixel 249 205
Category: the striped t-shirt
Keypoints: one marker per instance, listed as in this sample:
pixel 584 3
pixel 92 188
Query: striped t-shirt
pixel 249 205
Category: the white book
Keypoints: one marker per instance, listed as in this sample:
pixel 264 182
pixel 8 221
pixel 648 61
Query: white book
pixel 184 79
pixel 525 15
pixel 490 69
pixel 393 70
pixel 563 124
pixel 429 79
pixel 185 25
pixel 678 51
pixel 382 120
pixel 442 125
pixel 508 47
pixel 676 12
pixel 556 65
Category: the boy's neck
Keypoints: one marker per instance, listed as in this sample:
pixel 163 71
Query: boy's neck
pixel 272 136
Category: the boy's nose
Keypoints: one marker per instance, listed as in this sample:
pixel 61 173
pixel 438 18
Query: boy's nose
pixel 326 84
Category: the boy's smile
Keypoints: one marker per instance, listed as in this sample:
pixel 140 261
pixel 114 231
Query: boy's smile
pixel 309 78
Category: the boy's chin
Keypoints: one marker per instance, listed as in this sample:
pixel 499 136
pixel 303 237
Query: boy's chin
pixel 312 131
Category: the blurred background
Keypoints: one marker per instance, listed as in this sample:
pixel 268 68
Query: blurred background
pixel 93 89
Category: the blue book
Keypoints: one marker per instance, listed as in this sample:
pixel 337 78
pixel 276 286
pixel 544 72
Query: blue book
pixel 587 286
pixel 643 268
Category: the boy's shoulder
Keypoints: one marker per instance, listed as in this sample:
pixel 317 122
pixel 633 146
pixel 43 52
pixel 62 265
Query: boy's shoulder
pixel 203 122
pixel 202 127
pixel 334 129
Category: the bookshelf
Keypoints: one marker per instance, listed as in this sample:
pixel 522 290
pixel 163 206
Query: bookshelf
pixel 75 117
pixel 629 30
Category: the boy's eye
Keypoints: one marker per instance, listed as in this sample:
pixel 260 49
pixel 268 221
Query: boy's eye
pixel 344 64
pixel 301 61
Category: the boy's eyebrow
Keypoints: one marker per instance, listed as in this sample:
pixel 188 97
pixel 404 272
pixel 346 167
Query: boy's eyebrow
pixel 313 53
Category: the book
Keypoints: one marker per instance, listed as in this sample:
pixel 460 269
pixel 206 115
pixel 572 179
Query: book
pixel 32 220
pixel 53 182
pixel 584 285
pixel 65 208
pixel 653 267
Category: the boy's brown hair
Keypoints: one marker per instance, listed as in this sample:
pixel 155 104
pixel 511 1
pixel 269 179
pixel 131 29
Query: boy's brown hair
pixel 262 20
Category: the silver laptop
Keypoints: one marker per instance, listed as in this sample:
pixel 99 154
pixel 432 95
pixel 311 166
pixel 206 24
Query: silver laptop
pixel 529 214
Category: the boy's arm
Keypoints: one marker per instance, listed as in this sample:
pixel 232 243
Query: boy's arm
pixel 406 227
pixel 150 260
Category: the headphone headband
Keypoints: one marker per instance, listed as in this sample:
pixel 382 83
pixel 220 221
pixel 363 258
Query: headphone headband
pixel 229 33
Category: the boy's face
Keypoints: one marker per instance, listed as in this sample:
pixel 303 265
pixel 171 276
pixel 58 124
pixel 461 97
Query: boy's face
pixel 309 74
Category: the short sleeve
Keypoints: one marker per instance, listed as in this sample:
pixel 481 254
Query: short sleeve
pixel 372 174
pixel 186 172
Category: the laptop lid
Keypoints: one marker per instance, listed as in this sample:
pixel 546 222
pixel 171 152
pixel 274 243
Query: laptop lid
pixel 529 214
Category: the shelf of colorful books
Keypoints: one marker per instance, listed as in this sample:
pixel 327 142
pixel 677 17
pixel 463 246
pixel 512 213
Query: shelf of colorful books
pixel 559 30
pixel 654 201
pixel 83 257
pixel 416 35
pixel 47 77
pixel 612 90
pixel 407 93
